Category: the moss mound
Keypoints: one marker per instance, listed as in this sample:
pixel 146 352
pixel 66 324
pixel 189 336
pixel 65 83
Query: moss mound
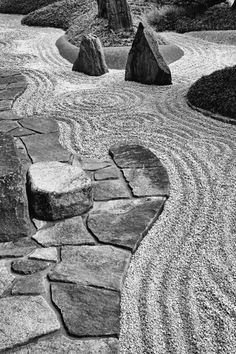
pixel 216 92
pixel 22 6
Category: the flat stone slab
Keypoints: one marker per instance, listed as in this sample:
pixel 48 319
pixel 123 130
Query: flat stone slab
pixel 106 173
pixel 57 191
pixel 106 190
pixel 6 278
pixel 87 311
pixel 66 232
pixel 9 115
pixel 94 164
pixel 124 223
pixel 45 147
pixel 6 126
pixel 40 125
pixel 5 105
pixel 64 345
pixel 24 318
pixel 45 254
pixel 29 266
pixel 29 285
pixel 16 249
pixel 103 266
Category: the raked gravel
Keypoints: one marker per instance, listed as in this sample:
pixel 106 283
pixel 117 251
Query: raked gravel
pixel 180 292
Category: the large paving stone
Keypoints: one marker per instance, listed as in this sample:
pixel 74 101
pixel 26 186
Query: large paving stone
pixel 29 285
pixel 66 232
pixel 103 266
pixel 45 254
pixel 9 115
pixel 87 311
pixel 29 266
pixel 105 190
pixel 63 345
pixel 23 318
pixel 16 249
pixel 106 173
pixel 124 223
pixel 40 125
pixel 58 190
pixel 94 164
pixel 45 147
pixel 7 126
pixel 14 216
pixel 11 93
pixel 6 278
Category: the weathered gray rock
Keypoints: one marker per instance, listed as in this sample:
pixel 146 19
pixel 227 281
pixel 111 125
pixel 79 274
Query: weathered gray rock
pixel 45 254
pixel 29 285
pixel 29 266
pixel 40 125
pixel 106 173
pixel 94 164
pixel 7 126
pixel 45 147
pixel 14 216
pixel 5 105
pixel 58 190
pixel 9 115
pixel 103 266
pixel 118 13
pixel 24 318
pixel 91 59
pixel 145 63
pixel 105 190
pixel 87 311
pixel 6 277
pixel 16 249
pixel 20 132
pixel 66 232
pixel 125 223
pixel 63 345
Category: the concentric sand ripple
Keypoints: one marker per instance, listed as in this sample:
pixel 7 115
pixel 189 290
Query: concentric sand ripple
pixel 180 291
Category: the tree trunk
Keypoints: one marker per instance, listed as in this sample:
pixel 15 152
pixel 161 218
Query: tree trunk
pixel 117 12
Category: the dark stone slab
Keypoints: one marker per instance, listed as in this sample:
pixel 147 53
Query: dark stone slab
pixel 105 190
pixel 148 181
pixel 29 285
pixel 66 232
pixel 134 156
pixel 14 217
pixel 103 266
pixel 45 147
pixel 5 105
pixel 145 63
pixel 123 222
pixel 106 173
pixel 29 266
pixel 9 115
pixel 40 125
pixel 87 311
pixel 7 126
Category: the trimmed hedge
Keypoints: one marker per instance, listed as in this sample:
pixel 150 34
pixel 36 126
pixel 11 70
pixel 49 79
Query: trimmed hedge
pixel 216 92
pixel 22 6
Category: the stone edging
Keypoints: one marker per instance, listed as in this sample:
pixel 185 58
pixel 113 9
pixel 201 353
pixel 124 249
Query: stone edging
pixel 211 114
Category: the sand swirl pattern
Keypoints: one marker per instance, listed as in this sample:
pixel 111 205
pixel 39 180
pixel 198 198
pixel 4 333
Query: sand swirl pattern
pixel 180 291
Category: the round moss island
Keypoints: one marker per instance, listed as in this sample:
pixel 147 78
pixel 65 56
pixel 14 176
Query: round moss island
pixel 215 94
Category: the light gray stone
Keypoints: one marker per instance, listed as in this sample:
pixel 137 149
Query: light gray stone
pixel 29 266
pixel 16 249
pixel 94 164
pixel 40 125
pixel 6 277
pixel 6 126
pixel 45 254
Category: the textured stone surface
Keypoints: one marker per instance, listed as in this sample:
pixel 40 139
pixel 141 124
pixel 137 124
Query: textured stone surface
pixel 14 216
pixel 94 164
pixel 145 63
pixel 7 126
pixel 63 345
pixel 45 254
pixel 6 278
pixel 103 266
pixel 58 190
pixel 106 173
pixel 148 181
pixel 45 147
pixel 119 16
pixel 22 154
pixel 124 223
pixel 16 249
pixel 29 266
pixel 29 285
pixel 5 105
pixel 66 232
pixel 24 318
pixel 91 59
pixel 20 132
pixel 105 190
pixel 87 311
pixel 40 125
pixel 8 115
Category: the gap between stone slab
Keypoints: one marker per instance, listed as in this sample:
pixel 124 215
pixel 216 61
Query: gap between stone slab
pixel 26 149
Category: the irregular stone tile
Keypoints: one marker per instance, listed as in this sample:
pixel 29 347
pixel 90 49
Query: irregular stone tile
pixel 18 132
pixel 14 216
pixel 58 190
pixel 125 223
pixel 20 84
pixel 105 190
pixel 45 147
pixel 6 278
pixel 9 115
pixel 87 311
pixel 94 164
pixel 103 266
pixel 15 250
pixel 11 94
pixel 66 232
pixel 11 78
pixel 5 105
pixel 29 285
pixel 6 126
pixel 27 266
pixel 148 181
pixel 45 254
pixel 24 318
pixel 40 125
pixel 106 173
pixel 64 345
pixel 130 156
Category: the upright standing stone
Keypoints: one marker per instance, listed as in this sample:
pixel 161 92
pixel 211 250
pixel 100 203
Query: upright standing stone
pixel 91 58
pixel 145 63
pixel 119 15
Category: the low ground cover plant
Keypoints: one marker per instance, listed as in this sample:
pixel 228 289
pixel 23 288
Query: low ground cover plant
pixel 22 6
pixel 216 92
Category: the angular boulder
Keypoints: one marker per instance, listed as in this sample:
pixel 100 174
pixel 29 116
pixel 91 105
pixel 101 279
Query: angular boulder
pixel 58 190
pixel 145 63
pixel 91 59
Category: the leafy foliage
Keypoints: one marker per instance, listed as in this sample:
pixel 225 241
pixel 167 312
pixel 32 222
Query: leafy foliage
pixel 22 6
